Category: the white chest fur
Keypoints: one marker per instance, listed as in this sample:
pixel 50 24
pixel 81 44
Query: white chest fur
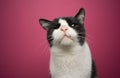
pixel 70 63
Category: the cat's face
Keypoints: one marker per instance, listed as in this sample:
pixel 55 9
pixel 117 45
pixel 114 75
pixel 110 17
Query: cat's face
pixel 65 31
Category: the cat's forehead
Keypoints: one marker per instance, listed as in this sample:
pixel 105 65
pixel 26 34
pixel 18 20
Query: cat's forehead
pixel 65 20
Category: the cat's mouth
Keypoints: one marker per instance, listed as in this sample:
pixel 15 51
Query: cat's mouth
pixel 66 40
pixel 67 36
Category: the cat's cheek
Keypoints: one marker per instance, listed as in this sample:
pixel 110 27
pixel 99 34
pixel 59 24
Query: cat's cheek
pixel 72 33
pixel 57 35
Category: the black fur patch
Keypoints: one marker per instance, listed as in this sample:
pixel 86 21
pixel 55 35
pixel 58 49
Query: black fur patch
pixel 53 25
pixel 93 70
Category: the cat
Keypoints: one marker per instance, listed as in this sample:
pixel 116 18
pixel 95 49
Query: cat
pixel 70 55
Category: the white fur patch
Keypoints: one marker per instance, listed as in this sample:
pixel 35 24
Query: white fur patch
pixel 63 22
pixel 72 62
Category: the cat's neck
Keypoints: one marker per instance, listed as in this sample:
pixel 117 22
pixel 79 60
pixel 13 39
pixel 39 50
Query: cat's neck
pixel 74 50
pixel 71 63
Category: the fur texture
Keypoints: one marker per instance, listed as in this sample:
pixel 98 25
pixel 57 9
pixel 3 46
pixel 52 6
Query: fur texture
pixel 70 53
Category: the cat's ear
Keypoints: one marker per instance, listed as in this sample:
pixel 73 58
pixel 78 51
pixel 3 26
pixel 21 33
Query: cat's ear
pixel 44 23
pixel 81 15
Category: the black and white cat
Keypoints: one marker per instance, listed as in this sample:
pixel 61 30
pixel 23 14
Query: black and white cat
pixel 70 55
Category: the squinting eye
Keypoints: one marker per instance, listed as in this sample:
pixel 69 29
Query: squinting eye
pixel 58 25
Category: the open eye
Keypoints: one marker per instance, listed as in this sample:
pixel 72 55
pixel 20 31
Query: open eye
pixel 73 25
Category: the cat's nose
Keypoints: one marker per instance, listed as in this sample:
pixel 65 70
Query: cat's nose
pixel 64 28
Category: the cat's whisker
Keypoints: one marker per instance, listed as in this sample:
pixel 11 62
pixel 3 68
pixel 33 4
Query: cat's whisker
pixel 87 34
pixel 88 37
pixel 43 43
pixel 89 40
pixel 50 39
pixel 81 36
pixel 49 36
pixel 82 33
pixel 42 39
pixel 44 50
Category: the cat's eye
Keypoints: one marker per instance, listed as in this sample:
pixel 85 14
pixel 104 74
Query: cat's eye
pixel 55 26
pixel 73 25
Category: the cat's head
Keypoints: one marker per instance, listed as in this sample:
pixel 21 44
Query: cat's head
pixel 65 31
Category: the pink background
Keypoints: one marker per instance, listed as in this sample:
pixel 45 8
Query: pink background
pixel 24 51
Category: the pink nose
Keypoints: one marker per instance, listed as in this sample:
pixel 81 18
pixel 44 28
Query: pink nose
pixel 64 28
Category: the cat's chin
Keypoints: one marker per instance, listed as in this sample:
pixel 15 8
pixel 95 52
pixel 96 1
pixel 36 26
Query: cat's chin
pixel 66 41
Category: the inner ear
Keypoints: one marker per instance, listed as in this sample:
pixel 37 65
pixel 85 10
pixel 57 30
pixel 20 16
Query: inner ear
pixel 80 15
pixel 44 23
